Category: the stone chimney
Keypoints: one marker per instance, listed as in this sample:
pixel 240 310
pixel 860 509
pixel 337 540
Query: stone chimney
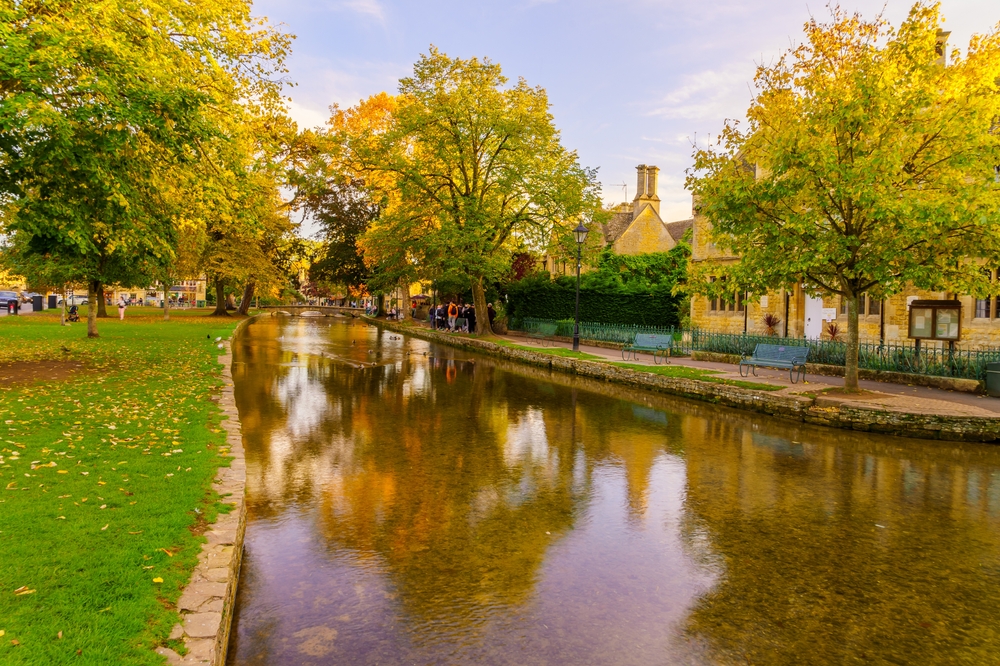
pixel 646 189
pixel 942 47
pixel 640 187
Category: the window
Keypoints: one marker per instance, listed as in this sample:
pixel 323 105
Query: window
pixel 983 308
pixel 713 303
pixel 983 305
pixel 874 307
pixel 741 304
pixel 843 305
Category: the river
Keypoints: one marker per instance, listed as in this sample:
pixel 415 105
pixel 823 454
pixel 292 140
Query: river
pixel 409 503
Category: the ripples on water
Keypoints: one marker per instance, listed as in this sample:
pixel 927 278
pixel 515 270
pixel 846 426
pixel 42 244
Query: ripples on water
pixel 411 504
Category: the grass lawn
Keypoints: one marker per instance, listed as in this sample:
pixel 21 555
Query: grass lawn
pixel 552 351
pixel 700 374
pixel 105 479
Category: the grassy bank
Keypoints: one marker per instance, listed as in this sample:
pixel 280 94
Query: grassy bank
pixel 700 374
pixel 105 470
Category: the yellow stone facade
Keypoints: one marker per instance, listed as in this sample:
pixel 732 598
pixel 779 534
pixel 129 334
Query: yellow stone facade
pixel 887 321
pixel 635 228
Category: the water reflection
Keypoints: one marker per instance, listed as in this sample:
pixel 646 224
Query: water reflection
pixel 412 504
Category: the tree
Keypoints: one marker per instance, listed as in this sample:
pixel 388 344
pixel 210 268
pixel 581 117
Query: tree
pixel 866 165
pixel 102 104
pixel 480 173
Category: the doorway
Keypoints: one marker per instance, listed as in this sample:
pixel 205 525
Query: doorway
pixel 814 317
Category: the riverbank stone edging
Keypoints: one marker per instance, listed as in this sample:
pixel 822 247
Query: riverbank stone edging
pixel 206 604
pixel 802 408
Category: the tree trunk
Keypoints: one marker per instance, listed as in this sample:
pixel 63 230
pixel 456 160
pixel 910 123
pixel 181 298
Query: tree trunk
pixel 247 298
pixel 851 363
pixel 220 299
pixel 381 305
pixel 483 327
pixel 404 306
pixel 230 302
pixel 166 299
pixel 93 291
pixel 102 309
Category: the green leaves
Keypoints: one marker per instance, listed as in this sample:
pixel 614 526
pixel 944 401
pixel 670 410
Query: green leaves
pixel 477 170
pixel 867 165
pixel 116 119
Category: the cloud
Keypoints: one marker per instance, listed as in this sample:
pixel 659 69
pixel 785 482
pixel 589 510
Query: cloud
pixel 371 8
pixel 323 82
pixel 306 117
pixel 710 94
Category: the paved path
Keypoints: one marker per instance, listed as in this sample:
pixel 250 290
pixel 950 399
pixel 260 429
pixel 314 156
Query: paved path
pixel 901 397
pixel 895 397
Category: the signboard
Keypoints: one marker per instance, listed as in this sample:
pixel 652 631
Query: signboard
pixel 935 320
pixel 829 314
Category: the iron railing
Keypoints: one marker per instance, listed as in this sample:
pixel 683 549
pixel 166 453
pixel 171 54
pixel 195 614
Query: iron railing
pixel 621 333
pixel 872 355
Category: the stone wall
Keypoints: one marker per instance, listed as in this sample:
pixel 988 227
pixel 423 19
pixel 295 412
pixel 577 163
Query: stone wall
pixel 791 407
pixel 206 604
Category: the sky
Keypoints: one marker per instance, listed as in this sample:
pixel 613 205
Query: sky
pixel 628 82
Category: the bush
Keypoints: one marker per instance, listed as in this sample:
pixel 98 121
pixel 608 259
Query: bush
pixel 544 299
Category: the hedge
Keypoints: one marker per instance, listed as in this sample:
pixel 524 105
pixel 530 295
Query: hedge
pixel 551 300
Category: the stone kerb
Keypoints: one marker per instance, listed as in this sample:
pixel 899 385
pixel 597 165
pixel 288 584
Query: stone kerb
pixel 799 408
pixel 206 605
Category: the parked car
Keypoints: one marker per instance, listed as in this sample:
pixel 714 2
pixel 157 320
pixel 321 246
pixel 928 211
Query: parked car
pixel 6 297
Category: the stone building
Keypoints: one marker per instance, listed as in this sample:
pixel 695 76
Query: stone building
pixel 806 316
pixel 635 228
pixel 802 315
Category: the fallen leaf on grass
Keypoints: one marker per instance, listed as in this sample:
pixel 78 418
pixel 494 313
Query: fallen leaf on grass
pixel 62 471
pixel 105 527
pixel 23 590
pixel 15 642
pixel 169 554
pixel 59 635
pixel 12 485
pixel 157 580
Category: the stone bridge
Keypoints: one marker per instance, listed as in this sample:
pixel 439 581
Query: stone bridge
pixel 325 310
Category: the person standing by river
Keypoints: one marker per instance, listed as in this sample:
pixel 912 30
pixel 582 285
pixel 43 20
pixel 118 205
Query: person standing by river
pixel 452 315
pixel 470 315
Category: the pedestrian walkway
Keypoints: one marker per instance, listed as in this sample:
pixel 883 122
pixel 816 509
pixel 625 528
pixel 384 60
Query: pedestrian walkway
pixel 885 395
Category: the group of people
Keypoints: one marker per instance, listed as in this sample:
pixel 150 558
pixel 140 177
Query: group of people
pixel 460 317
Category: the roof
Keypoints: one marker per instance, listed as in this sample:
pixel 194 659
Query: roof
pixel 679 228
pixel 616 226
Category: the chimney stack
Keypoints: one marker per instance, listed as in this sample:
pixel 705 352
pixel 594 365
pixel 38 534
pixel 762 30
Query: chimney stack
pixel 942 47
pixel 645 189
pixel 640 188
pixel 651 174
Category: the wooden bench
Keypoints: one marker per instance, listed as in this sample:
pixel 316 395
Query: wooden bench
pixel 777 356
pixel 658 345
pixel 544 332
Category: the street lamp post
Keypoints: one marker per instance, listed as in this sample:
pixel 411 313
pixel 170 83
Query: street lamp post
pixel 580 233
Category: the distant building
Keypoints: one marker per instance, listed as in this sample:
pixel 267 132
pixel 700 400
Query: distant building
pixel 635 228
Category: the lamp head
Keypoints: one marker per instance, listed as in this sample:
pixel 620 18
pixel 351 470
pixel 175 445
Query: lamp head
pixel 580 233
